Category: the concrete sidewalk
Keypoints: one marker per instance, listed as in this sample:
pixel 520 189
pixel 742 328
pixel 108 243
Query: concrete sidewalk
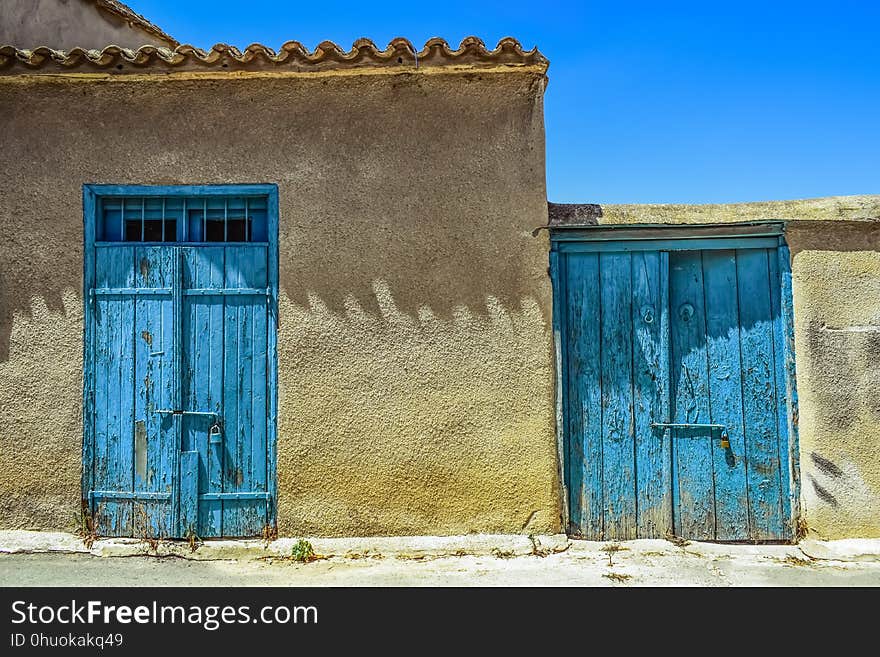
pixel 56 559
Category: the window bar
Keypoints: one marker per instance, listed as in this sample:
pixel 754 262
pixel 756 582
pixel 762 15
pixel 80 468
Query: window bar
pixel 163 219
pixel 184 229
pixel 225 218
pixel 205 219
pixel 143 213
pixel 122 220
pixel 247 225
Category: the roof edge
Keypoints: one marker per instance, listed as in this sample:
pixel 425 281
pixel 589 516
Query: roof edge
pixel 857 208
pixel 128 14
pixel 292 56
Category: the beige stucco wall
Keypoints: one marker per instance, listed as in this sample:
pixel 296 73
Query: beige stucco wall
pixel 836 288
pixel 66 24
pixel 835 247
pixel 415 367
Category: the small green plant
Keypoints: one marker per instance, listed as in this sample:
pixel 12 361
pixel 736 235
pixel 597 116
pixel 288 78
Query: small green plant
pixel 303 551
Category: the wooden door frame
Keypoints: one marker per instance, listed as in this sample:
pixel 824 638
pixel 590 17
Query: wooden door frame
pixel 92 194
pixel 672 237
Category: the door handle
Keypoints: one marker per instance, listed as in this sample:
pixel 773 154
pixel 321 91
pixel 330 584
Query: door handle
pixel 725 438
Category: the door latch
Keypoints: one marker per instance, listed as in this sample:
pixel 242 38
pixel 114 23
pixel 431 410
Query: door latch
pixel 177 411
pixel 725 438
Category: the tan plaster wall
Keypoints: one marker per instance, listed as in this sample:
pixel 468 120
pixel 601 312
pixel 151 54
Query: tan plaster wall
pixel 830 208
pixel 835 246
pixel 66 24
pixel 836 289
pixel 415 369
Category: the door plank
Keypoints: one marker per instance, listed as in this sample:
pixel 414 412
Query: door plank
pixel 759 394
pixel 232 393
pixel 213 267
pixel 104 307
pixel 203 364
pixel 692 448
pixel 189 493
pixel 153 433
pixel 652 448
pixel 725 394
pixel 618 444
pixel 257 469
pixel 584 405
pixel 122 393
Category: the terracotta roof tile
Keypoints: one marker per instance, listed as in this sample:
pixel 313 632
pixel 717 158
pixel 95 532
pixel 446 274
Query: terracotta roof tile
pixel 124 11
pixel 292 56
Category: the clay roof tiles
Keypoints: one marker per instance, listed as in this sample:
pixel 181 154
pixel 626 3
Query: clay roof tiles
pixel 125 12
pixel 292 56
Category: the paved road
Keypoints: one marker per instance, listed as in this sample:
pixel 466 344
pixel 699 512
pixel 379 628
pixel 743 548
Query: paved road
pixel 755 566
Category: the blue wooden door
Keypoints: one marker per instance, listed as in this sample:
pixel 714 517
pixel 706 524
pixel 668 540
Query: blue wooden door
pixel 226 326
pixel 180 339
pixel 676 390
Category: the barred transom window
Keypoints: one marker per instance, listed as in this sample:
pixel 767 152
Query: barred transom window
pixel 182 219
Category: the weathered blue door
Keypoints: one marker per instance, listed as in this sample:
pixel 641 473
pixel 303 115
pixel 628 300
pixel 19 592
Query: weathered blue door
pixel 180 371
pixel 678 389
pixel 226 327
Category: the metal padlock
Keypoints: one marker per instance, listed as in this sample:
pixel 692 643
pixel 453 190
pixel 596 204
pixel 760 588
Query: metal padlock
pixel 725 441
pixel 215 434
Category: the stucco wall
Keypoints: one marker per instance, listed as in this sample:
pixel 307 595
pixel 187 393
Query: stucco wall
pixel 65 24
pixel 836 289
pixel 415 369
pixel 835 247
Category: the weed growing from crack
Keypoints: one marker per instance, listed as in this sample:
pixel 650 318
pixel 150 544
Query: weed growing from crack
pixel 142 522
pixel 269 534
pixel 537 549
pixel 611 548
pixel 86 525
pixel 792 560
pixel 678 541
pixel 302 551
pixel 498 553
pixel 193 540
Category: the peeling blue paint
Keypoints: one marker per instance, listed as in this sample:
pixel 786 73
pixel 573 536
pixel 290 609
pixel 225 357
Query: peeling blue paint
pixel 688 331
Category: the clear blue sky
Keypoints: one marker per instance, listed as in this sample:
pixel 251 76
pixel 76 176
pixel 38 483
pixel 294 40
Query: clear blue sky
pixel 649 101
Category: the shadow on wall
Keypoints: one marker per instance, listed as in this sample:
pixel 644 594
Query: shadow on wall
pixel 429 268
pixel 832 236
pixel 444 283
pixel 429 254
pixel 40 278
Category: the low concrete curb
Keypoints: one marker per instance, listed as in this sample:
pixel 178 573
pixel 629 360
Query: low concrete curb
pixel 403 547
pixel 424 547
pixel 847 549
